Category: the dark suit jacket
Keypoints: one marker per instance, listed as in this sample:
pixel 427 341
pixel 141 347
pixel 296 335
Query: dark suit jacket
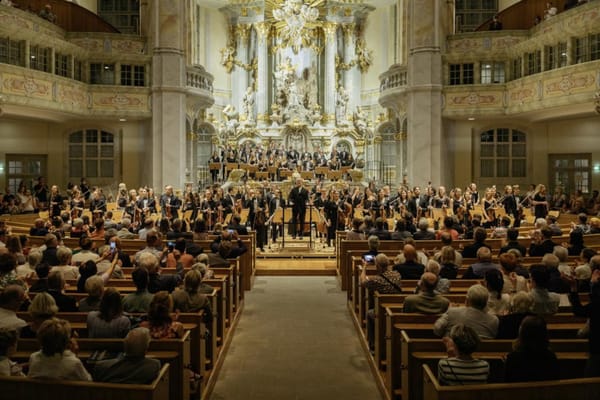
pixel 65 303
pixel 538 250
pixel 141 371
pixel 299 196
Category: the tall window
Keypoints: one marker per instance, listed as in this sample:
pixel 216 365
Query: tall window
pixel 534 64
pixel 556 56
pixel 102 74
pixel 39 58
pixel 503 153
pixel 11 52
pixel 572 172
pixel 122 14
pixel 132 75
pixel 91 154
pixel 492 72
pixel 461 74
pixel 24 168
pixel 587 48
pixel 472 13
pixel 517 64
pixel 78 70
pixel 61 65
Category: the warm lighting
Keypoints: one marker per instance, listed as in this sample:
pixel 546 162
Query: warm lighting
pixel 122 120
pixel 471 118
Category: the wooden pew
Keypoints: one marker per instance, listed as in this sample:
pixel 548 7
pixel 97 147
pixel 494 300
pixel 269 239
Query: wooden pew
pixel 572 355
pixel 581 389
pixel 174 351
pixel 19 388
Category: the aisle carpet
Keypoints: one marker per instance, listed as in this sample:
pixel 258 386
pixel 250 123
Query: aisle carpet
pixel 295 340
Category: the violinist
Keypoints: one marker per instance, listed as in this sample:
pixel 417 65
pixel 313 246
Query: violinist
pixel 275 204
pixel 170 204
pixel 208 207
pixel 257 208
pixel 540 202
pixel 55 202
pixel 509 202
pixel 334 215
pixel 98 203
pixel 130 208
pixel 145 205
pixel 77 203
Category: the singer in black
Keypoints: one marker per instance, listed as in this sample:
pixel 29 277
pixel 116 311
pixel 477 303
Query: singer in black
pixel 297 200
pixel 335 214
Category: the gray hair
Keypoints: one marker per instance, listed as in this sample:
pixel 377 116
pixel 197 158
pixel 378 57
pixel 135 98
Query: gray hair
pixel 34 258
pixel 423 224
pixel 201 268
pixel 149 261
pixel 373 242
pixel 63 254
pixel 94 286
pixel 561 252
pixel 137 342
pixel 550 260
pixel 477 296
pixel 521 302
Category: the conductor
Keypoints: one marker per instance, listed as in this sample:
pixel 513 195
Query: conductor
pixel 297 200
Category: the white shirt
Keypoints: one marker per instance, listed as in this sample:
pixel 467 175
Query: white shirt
pixel 59 366
pixel 69 272
pixel 83 256
pixel 9 320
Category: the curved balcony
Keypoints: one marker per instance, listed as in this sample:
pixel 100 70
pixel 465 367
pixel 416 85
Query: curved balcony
pixel 199 86
pixel 392 87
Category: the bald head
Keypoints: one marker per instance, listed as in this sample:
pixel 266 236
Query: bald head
pixel 410 253
pixel 137 342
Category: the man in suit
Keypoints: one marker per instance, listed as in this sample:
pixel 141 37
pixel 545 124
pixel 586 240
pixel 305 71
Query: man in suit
pixel 297 199
pixel 132 367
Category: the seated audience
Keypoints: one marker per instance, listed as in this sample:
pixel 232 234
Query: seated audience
pixel 27 270
pixel 133 367
pixel 544 302
pixel 512 236
pixel 520 307
pixel 532 359
pixel 460 368
pixel 159 322
pixel 11 299
pixel 41 284
pixel 69 271
pixel 42 308
pixel 443 284
pixel 555 284
pixel 86 271
pixel 498 302
pixel 56 287
pixel 410 268
pixel 8 272
pixel 94 286
pixel 484 263
pixel 427 301
pixel 8 346
pixel 86 253
pixel 513 283
pixel 205 273
pixel 386 281
pixel 55 360
pixel 423 232
pixel 447 260
pixel 446 240
pixel 541 243
pixel 479 236
pixel 138 301
pixel 49 253
pixel 157 281
pixel 109 321
pixel 473 315
pixel 380 230
pixel 189 299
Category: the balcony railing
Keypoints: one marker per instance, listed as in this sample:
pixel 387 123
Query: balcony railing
pixel 198 78
pixel 392 85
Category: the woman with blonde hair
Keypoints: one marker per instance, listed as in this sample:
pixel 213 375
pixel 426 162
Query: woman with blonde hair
pixel 42 308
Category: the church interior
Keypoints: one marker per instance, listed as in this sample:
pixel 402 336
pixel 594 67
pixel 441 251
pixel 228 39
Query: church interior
pixel 301 118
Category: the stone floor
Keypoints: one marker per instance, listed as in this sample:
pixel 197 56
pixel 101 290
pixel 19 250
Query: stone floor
pixel 295 340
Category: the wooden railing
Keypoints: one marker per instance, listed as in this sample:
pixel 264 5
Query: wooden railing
pixel 69 16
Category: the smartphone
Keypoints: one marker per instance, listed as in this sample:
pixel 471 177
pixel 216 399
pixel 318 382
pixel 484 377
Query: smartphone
pixel 231 231
pixel 369 258
pixel 113 246
pixel 171 245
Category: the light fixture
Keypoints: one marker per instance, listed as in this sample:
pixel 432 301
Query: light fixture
pixel 471 118
pixel 122 119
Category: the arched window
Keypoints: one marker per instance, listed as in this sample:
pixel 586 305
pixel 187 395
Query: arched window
pixel 91 154
pixel 503 153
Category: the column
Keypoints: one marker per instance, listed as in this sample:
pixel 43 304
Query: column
pixel 262 75
pixel 424 92
pixel 330 84
pixel 240 75
pixel 166 39
pixel 352 75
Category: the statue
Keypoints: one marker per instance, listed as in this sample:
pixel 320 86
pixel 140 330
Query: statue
pixel 296 16
pixel 360 121
pixel 363 55
pixel 248 105
pixel 342 104
pixel 228 58
pixel 275 115
pixel 231 119
pixel 315 116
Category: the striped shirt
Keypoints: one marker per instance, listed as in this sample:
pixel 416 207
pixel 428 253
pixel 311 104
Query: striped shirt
pixel 454 371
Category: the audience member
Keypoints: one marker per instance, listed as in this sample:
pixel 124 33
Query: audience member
pixel 55 360
pixel 544 302
pixel 410 268
pixel 94 286
pixel 133 367
pixel 69 271
pixel 109 321
pixel 460 368
pixel 139 301
pixel 56 287
pixel 479 236
pixel 8 273
pixel 541 243
pixel 513 283
pixel 473 315
pixel 423 232
pixel 443 284
pixel 427 301
pixel 8 346
pixel 11 299
pixel 484 263
pixel 532 359
pixel 520 307
pixel 512 236
pixel 159 322
pixel 498 302
pixel 42 308
pixel 41 285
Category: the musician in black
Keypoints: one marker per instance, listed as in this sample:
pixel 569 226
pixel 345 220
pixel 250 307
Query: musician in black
pixel 145 205
pixel 209 209
pixel 276 203
pixel 169 204
pixel 335 214
pixel 257 212
pixel 98 203
pixel 55 202
pixel 40 192
pixel 214 173
pixel 297 199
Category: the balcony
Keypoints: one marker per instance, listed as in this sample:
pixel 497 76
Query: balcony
pixel 392 87
pixel 199 86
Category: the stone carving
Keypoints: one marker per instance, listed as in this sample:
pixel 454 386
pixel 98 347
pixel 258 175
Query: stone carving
pixel 342 105
pixel 248 106
pixel 231 120
pixel 297 16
